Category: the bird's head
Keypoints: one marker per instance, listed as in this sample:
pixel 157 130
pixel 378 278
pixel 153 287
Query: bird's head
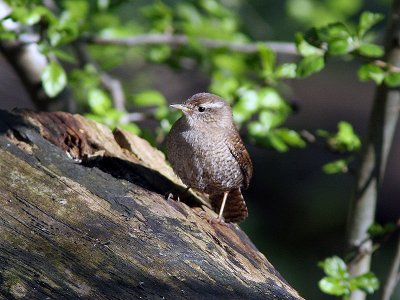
pixel 206 109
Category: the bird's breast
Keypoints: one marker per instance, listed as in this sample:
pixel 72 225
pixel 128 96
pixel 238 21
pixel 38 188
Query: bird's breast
pixel 203 160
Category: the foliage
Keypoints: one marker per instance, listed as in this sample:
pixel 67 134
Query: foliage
pixel 252 82
pixel 338 281
pixel 345 140
pixel 379 230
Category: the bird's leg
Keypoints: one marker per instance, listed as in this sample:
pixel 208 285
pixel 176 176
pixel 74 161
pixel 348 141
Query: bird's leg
pixel 221 210
pixel 172 196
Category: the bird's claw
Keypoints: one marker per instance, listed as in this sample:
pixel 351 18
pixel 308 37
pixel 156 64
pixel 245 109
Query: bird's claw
pixel 171 197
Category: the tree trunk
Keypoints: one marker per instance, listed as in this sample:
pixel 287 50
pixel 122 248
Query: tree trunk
pixel 83 214
pixel 381 128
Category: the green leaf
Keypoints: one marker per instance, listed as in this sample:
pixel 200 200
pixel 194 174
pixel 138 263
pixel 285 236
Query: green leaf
pixel 367 282
pixel 339 47
pixel 370 50
pixel 224 85
pixel 159 54
pixel 103 4
pixel 286 70
pixel 377 229
pixel 338 38
pixel 99 102
pixel 64 55
pixel 392 79
pixel 269 98
pixel 29 16
pixel 367 20
pixel 277 142
pixel 346 139
pixel 309 65
pixel 334 266
pixel 257 129
pixel 149 98
pixel 247 105
pixel 54 79
pixel 305 48
pixel 291 137
pixel 268 119
pixel 333 286
pixel 268 58
pixel 334 167
pixel 371 71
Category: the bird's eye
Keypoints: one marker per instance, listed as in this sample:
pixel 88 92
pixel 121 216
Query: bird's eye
pixel 201 108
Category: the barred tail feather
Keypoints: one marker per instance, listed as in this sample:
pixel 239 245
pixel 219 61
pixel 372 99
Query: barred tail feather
pixel 235 209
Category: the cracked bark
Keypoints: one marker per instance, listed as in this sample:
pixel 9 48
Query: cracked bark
pixel 83 215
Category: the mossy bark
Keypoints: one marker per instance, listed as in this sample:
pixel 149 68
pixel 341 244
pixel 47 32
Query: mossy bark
pixel 84 214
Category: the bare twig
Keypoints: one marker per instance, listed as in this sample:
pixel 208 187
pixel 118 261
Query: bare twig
pixel 112 85
pixel 385 65
pixel 181 40
pixel 378 142
pixel 136 117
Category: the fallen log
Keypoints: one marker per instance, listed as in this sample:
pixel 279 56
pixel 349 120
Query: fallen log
pixel 85 213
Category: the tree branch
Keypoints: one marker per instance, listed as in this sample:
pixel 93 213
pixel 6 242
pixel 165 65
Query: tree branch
pixel 382 123
pixel 111 84
pixel 181 40
pixel 393 276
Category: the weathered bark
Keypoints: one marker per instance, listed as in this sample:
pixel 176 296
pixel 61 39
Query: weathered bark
pixel 83 214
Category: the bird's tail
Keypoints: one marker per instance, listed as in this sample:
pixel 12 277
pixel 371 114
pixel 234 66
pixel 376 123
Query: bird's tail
pixel 235 209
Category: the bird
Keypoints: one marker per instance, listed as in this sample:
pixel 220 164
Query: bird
pixel 205 150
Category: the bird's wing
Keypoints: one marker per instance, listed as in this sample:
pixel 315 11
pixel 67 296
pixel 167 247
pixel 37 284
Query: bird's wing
pixel 239 152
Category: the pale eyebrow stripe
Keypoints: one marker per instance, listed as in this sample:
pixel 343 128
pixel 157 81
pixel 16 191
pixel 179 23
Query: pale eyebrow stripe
pixel 213 105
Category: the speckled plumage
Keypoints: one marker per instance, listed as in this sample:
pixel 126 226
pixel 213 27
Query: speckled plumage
pixel 206 151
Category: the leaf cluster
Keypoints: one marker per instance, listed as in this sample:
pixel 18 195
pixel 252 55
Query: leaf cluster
pixel 338 281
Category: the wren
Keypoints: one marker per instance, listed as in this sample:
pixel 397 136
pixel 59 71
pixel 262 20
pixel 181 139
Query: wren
pixel 207 153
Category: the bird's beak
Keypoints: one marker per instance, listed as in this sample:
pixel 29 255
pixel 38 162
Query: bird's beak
pixel 182 107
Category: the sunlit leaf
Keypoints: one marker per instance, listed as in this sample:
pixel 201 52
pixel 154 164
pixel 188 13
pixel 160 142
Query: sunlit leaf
pixel 149 98
pixel 371 71
pixel 54 79
pixel 333 286
pixel 306 49
pixel 99 102
pixel 291 137
pixel 370 50
pixel 270 98
pixel 367 20
pixel 367 282
pixel 339 46
pixel 334 266
pixel 346 139
pixel 392 79
pixel 310 65
pixel 267 57
pixel 286 70
pixel 277 142
pixel 334 167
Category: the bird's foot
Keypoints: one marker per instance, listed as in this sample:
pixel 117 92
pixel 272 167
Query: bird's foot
pixel 211 220
pixel 172 197
pixel 217 220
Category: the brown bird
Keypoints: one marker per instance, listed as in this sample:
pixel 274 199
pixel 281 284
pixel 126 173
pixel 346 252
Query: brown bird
pixel 207 153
